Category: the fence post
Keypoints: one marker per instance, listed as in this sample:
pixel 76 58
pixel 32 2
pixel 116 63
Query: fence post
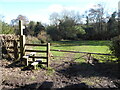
pixel 48 54
pixel 20 27
pixel 22 40
pixel 16 52
pixel 22 46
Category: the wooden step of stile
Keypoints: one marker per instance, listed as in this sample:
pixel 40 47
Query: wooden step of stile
pixel 34 64
pixel 25 59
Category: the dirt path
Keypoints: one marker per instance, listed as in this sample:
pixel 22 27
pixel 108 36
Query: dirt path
pixel 64 74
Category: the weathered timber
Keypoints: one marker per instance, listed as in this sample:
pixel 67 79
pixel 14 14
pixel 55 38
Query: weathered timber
pixel 34 64
pixel 38 57
pixel 35 51
pixel 35 45
pixel 25 60
pixel 22 46
pixel 48 54
pixel 20 27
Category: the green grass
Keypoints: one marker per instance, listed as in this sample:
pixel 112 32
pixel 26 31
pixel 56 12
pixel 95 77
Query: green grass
pixel 82 46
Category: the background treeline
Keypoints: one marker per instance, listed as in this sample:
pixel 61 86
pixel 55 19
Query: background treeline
pixel 94 24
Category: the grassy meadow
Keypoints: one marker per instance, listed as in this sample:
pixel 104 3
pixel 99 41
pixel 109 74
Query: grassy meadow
pixel 82 46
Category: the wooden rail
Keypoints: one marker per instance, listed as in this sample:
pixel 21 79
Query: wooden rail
pixel 79 52
pixel 35 45
pixel 35 51
pixel 38 57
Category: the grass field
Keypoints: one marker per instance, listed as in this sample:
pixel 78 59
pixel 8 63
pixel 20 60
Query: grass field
pixel 82 46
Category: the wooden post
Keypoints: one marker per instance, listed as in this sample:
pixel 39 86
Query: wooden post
pixel 25 60
pixel 22 40
pixel 22 46
pixel 20 27
pixel 16 52
pixel 48 54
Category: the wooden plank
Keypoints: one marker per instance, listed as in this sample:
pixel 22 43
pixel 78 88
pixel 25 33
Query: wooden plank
pixel 35 45
pixel 39 60
pixel 79 52
pixel 32 53
pixel 43 62
pixel 34 63
pixel 48 54
pixel 25 58
pixel 35 51
pixel 38 57
pixel 20 27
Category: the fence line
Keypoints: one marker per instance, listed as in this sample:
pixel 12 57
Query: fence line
pixel 79 52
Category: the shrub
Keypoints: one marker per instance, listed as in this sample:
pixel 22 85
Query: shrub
pixel 43 37
pixel 33 40
pixel 115 46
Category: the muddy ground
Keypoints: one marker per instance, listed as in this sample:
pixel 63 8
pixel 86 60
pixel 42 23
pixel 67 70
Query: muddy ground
pixel 62 74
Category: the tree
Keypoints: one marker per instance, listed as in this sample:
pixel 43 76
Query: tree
pixel 20 17
pixel 65 24
pixel 96 22
pixel 53 32
pixel 112 26
pixel 15 22
pixel 30 29
pixel 38 28
pixel 6 28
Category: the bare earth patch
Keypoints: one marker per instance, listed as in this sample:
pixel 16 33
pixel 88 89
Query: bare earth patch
pixel 64 73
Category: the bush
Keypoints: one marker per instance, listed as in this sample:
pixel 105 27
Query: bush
pixel 43 37
pixel 115 46
pixel 33 40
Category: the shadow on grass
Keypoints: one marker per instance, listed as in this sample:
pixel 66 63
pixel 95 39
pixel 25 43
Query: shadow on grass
pixel 109 70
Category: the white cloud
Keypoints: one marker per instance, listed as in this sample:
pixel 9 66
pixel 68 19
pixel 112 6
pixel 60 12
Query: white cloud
pixel 55 8
pixel 59 8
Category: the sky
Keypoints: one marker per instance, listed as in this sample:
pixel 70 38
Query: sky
pixel 40 10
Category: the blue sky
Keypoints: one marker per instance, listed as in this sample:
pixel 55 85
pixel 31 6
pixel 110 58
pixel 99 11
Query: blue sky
pixel 39 10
